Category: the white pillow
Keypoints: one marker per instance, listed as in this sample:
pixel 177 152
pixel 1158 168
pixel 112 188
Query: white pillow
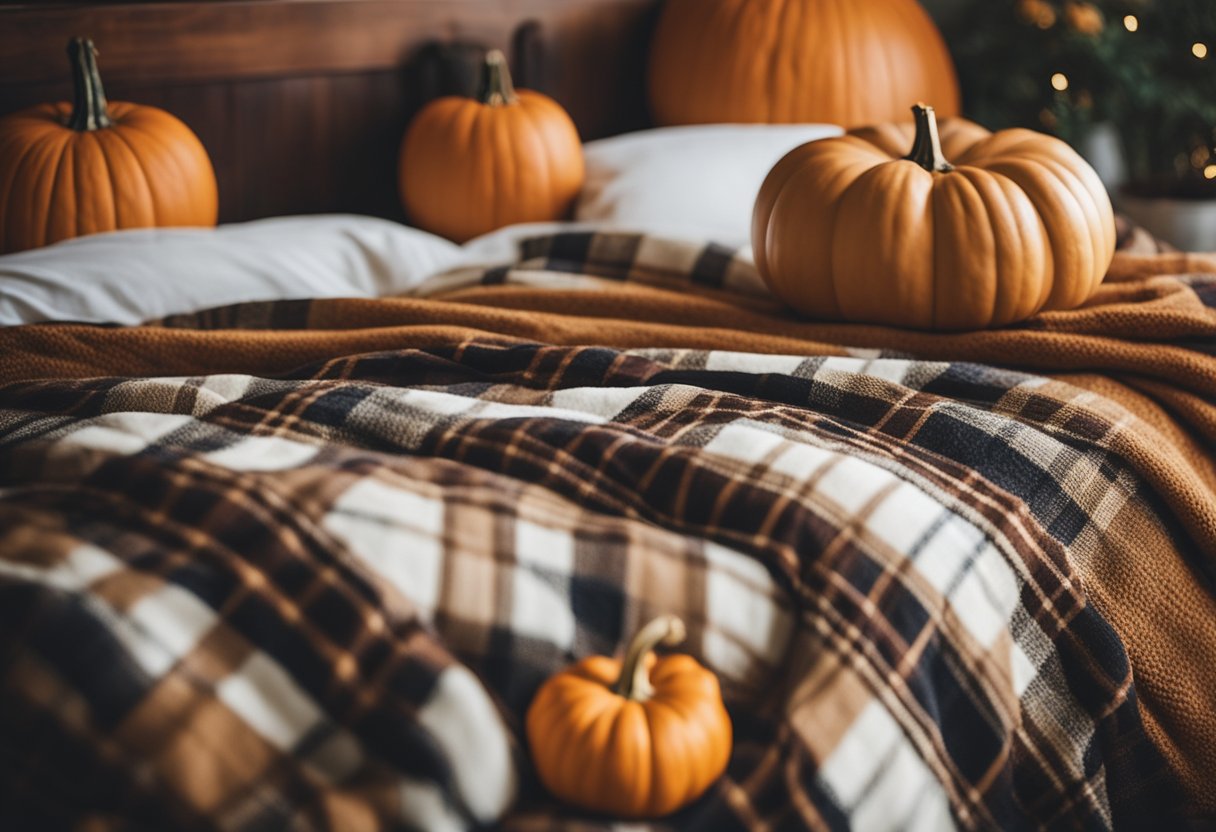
pixel 696 181
pixel 128 277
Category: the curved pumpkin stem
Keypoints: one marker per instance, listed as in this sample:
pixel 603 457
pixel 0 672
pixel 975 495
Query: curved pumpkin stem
pixel 497 90
pixel 90 110
pixel 634 681
pixel 927 148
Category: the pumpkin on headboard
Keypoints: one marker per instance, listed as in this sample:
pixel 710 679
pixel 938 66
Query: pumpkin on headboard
pixel 846 62
pixel 968 230
pixel 92 166
pixel 470 166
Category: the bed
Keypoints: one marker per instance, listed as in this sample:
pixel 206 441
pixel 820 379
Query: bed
pixel 293 546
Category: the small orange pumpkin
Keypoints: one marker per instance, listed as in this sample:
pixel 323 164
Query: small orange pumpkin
pixel 638 738
pixel 470 166
pixel 851 228
pixel 846 62
pixel 92 166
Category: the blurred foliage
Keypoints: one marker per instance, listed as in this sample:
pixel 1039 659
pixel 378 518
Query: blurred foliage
pixel 1148 67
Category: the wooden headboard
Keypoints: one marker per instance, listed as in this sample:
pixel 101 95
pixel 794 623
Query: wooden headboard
pixel 302 103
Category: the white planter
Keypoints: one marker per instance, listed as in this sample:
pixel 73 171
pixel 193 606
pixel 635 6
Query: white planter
pixel 1189 224
pixel 1101 148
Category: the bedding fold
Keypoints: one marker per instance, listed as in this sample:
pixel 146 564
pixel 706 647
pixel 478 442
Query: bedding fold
pixel 967 577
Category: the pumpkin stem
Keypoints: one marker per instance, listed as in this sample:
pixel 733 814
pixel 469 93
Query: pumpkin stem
pixel 497 90
pixel 927 148
pixel 90 110
pixel 634 681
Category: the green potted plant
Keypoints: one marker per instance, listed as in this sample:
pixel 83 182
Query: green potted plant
pixel 1139 73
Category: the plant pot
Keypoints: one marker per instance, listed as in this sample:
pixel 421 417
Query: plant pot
pixel 1189 224
pixel 1101 148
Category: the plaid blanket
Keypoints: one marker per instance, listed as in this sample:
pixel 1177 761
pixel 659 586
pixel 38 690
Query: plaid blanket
pixel 322 598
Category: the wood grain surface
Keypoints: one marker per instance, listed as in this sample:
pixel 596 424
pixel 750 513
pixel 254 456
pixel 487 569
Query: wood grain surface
pixel 302 103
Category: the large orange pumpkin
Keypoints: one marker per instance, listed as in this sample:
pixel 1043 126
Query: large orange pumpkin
pixel 470 166
pixel 856 228
pixel 637 738
pixel 91 166
pixel 846 62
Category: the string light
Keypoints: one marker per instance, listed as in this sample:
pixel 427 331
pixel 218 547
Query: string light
pixel 1200 50
pixel 1131 23
pixel 1209 172
pixel 1059 82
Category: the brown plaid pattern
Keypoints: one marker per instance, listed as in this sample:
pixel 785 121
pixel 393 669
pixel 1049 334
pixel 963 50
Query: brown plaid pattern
pixel 586 260
pixel 324 601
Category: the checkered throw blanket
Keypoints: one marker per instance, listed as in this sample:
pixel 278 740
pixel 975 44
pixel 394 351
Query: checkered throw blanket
pixel 323 598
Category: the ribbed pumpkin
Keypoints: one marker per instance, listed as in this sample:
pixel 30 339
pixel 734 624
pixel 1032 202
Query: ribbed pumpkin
pixel 856 228
pixel 638 738
pixel 92 166
pixel 471 166
pixel 846 62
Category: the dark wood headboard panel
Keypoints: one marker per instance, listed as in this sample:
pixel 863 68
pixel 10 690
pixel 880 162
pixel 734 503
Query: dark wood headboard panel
pixel 302 103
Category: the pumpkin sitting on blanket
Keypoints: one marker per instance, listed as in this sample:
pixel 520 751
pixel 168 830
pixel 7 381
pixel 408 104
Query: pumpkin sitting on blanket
pixel 638 738
pixel 969 230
